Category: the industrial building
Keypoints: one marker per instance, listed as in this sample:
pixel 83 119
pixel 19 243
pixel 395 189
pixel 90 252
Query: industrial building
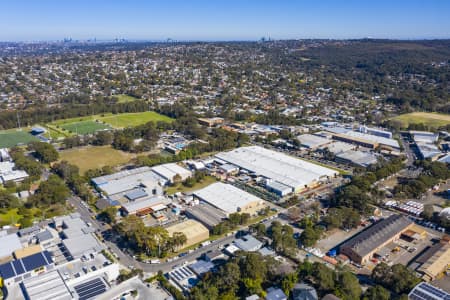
pixel 123 182
pixel 376 131
pixel 229 198
pixel 424 136
pixel 210 122
pixel 79 239
pixel 47 286
pixel 145 206
pixel 427 291
pixel 338 147
pixel 312 141
pixel 248 243
pixel 17 270
pixel 289 171
pixel 367 140
pixel 206 214
pixel 9 243
pixel 195 232
pixel 364 245
pixel 434 261
pixel 9 173
pixel 169 171
pixel 357 158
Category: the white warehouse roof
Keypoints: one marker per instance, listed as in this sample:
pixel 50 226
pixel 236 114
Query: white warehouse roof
pixel 374 138
pixel 288 170
pixel 9 243
pixel 169 171
pixel 312 141
pixel 226 197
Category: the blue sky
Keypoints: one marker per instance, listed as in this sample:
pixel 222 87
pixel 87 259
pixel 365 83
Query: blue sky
pixel 223 20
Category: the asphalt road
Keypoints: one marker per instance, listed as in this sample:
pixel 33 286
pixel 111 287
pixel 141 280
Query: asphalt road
pixel 126 260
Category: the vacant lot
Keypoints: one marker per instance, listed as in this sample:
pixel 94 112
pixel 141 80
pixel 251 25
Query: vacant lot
pixel 84 127
pixel 199 185
pixel 95 157
pixel 14 137
pixel 429 119
pixel 133 119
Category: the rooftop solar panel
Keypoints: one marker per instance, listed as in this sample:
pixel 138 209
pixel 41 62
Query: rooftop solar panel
pixel 36 261
pixel 90 289
pixel 18 267
pixel 7 271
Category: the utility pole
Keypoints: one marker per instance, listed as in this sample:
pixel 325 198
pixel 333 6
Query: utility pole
pixel 18 120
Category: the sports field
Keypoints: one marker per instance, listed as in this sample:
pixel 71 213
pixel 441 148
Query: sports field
pixel 84 127
pixel 86 124
pixel 133 119
pixel 95 157
pixel 13 137
pixel 428 119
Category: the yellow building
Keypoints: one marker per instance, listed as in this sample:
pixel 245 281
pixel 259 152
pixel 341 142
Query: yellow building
pixel 27 251
pixel 195 232
pixel 437 263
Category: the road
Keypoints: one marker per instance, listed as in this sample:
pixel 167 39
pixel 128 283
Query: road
pixel 126 259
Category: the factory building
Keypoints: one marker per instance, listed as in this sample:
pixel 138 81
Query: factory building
pixel 229 198
pixel 195 232
pixel 169 171
pixel 435 260
pixel 312 141
pixel 145 206
pixel 17 270
pixel 295 173
pixel 376 131
pixel 129 185
pixel 367 140
pixel 364 245
pixel 357 158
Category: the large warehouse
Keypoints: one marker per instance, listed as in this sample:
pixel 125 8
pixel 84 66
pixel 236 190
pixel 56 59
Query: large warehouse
pixel 229 198
pixel 287 170
pixel 364 245
pixel 195 232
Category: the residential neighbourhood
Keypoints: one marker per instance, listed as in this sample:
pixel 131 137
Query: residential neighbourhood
pixel 224 170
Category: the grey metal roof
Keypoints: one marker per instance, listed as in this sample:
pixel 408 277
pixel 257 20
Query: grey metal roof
pixel 248 243
pixel 44 236
pixel 377 234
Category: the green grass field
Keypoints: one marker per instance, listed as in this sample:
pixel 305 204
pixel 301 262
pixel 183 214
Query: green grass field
pixel 133 119
pixel 89 123
pixel 95 157
pixel 199 185
pixel 13 137
pixel 84 127
pixel 428 119
pixel 126 98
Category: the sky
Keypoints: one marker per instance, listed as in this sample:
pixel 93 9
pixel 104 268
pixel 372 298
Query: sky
pixel 34 20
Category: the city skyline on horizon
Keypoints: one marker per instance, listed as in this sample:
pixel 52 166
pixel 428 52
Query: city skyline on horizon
pixel 200 20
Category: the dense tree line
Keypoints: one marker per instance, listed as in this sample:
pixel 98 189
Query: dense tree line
pixel 74 106
pixel 152 241
pixel 70 174
pixel 432 173
pixel 396 278
pixel 360 192
pixel 45 152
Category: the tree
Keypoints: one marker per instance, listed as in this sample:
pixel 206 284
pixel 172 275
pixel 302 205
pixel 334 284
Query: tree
pixel 309 236
pixel 108 215
pixel 348 286
pixel 324 277
pixel 288 283
pixel 46 153
pixel 377 293
pixel 103 138
pixel 8 200
pixel 52 191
